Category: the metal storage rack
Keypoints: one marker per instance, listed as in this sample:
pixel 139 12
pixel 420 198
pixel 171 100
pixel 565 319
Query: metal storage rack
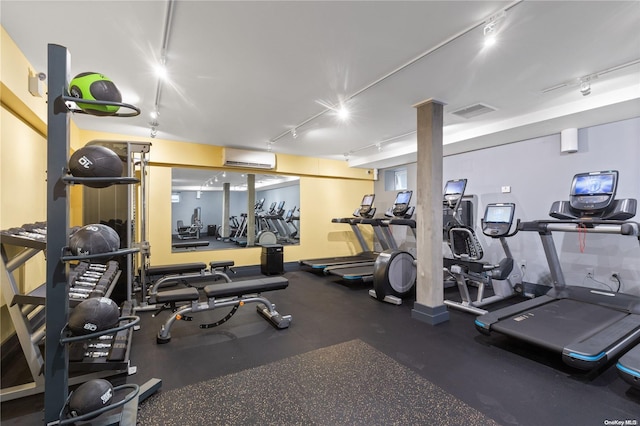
pixel 27 315
pixel 56 371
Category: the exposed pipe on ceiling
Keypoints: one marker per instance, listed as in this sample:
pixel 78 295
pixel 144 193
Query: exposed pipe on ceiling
pixel 395 71
pixel 166 33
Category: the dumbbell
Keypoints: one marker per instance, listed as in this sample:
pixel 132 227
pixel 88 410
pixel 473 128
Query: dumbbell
pixel 78 295
pixel 113 350
pixel 35 228
pixel 96 354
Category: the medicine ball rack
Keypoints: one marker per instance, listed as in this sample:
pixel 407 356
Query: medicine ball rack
pixel 56 371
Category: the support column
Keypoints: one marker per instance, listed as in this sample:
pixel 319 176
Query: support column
pixel 429 306
pixel 251 210
pixel 225 232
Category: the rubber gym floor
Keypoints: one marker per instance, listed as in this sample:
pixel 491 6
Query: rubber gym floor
pixel 390 369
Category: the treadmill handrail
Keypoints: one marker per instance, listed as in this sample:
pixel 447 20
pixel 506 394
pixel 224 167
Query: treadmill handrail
pixel 405 222
pixel 590 226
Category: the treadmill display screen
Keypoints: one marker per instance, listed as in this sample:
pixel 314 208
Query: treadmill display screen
pixel 403 197
pixel 499 213
pixel 455 187
pixel 367 200
pixel 597 184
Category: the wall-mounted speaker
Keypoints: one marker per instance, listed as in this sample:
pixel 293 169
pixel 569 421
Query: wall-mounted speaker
pixel 569 140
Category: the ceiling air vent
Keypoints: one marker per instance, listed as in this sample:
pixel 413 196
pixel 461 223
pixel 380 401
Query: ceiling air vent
pixel 473 110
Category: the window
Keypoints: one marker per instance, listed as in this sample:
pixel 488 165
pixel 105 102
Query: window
pixel 395 179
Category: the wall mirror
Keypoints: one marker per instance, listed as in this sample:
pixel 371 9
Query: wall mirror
pixel 198 199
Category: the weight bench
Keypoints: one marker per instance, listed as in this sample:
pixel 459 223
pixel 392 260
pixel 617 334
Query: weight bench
pixel 189 244
pixel 234 294
pixel 179 268
pixel 219 269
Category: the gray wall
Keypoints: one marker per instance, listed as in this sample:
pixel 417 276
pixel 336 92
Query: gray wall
pixel 539 174
pixel 289 193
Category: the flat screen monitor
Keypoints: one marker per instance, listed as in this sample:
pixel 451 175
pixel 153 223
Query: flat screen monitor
pixel 280 205
pixel 367 200
pixel 597 183
pixel 498 218
pixel 454 187
pixel 499 213
pixel 594 191
pixel 403 197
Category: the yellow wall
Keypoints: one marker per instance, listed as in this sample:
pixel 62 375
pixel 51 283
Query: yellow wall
pixel 321 199
pixel 328 188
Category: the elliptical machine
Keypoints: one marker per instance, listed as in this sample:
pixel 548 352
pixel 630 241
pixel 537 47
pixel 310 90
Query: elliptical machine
pixel 466 265
pixel 394 271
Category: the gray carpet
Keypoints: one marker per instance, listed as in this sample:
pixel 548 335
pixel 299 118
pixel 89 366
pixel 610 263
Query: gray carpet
pixel 346 384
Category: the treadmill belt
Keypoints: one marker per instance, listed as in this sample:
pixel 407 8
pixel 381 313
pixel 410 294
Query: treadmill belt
pixel 342 260
pixel 353 273
pixel 557 324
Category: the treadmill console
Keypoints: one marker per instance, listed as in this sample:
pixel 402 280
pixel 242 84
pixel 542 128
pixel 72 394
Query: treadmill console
pixel 498 218
pixel 366 207
pixel 592 198
pixel 454 191
pixel 401 203
pixel 593 192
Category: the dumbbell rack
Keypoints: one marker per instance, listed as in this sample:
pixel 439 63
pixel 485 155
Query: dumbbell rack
pixel 57 304
pixel 27 316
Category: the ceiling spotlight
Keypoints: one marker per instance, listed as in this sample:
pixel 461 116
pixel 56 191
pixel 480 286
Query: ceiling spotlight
pixel 343 113
pixel 585 87
pixel 490 28
pixel 154 132
pixel 490 34
pixel 293 133
pixel 379 146
pixel 161 71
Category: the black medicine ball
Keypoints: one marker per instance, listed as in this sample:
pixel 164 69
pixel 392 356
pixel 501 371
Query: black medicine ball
pixel 95 161
pixel 93 315
pixel 90 396
pixel 94 239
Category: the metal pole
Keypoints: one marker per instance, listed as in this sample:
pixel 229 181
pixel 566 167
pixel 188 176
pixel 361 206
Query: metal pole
pixel 57 302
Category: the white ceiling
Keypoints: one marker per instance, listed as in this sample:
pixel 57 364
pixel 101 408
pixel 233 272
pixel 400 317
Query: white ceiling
pixel 244 73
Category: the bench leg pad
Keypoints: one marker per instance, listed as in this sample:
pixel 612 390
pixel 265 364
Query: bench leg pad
pixel 279 321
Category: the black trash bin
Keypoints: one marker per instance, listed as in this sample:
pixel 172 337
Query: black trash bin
pixel 211 230
pixel 271 259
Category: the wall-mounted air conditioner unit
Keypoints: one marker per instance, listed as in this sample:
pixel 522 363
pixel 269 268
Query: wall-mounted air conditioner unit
pixel 249 159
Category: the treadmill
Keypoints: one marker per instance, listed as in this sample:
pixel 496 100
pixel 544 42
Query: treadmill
pixel 589 327
pixel 363 271
pixel 366 210
pixel 629 367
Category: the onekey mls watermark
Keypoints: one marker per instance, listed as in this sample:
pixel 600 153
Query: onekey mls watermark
pixel 628 422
